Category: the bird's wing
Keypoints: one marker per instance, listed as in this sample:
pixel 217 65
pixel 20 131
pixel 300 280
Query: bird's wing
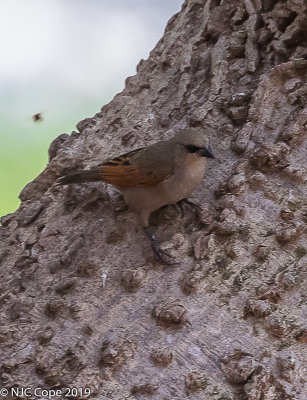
pixel 141 167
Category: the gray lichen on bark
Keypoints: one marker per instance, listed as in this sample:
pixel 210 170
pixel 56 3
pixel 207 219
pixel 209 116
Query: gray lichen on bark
pixel 84 304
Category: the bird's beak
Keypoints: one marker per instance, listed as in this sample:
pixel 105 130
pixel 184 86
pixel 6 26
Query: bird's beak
pixel 205 152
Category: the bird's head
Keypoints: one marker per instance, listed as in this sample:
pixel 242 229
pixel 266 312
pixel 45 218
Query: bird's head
pixel 195 141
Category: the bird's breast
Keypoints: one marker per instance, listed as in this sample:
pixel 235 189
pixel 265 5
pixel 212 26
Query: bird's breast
pixel 187 177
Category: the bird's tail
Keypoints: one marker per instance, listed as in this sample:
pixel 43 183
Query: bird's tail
pixel 80 177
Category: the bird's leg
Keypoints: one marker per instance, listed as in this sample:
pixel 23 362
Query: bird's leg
pixel 161 255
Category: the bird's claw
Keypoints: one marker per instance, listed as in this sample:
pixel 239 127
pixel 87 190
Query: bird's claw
pixel 162 256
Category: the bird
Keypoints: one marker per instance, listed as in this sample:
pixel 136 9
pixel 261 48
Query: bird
pixel 153 176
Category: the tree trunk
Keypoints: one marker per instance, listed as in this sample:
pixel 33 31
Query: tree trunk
pixel 84 304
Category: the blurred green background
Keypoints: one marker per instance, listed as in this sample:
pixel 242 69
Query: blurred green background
pixel 65 58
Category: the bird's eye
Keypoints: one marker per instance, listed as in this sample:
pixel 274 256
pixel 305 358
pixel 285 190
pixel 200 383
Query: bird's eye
pixel 191 148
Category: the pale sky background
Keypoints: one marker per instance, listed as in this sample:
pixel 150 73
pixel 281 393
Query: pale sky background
pixel 68 57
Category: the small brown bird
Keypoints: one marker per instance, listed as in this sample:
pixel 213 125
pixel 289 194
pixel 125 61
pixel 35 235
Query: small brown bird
pixel 154 176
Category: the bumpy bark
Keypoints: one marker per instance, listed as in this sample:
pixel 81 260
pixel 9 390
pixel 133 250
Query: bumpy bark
pixel 84 304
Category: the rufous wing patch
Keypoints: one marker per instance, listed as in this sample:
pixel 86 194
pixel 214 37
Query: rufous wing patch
pixel 121 171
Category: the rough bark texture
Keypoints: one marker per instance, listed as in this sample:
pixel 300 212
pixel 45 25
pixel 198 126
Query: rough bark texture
pixel 84 304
